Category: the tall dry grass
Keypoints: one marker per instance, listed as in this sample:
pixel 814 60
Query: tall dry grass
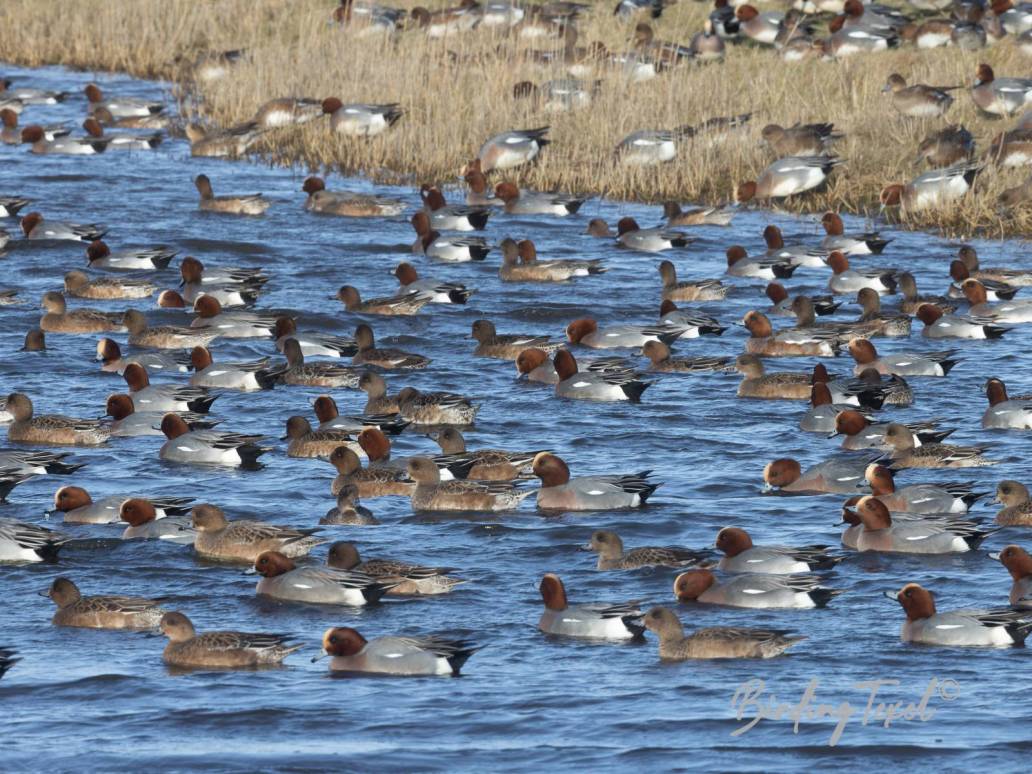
pixel 451 108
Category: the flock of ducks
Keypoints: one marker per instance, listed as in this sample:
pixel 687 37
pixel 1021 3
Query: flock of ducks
pixel 921 518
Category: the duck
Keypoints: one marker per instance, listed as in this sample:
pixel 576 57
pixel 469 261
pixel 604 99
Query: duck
pixel 350 652
pixel 612 556
pixel 312 344
pixel 44 142
pixel 585 331
pixel 520 264
pixel 407 304
pixel 918 100
pixel 696 216
pixel 1018 277
pixel 405 579
pixel 846 281
pixel 739 264
pixel 220 649
pixel 788 176
pixel 252 204
pixel 506 346
pixel 906 454
pixel 778 386
pixel 946 147
pixel 78 285
pixel 661 360
pixel 603 385
pixel 1019 565
pixel 741 556
pixel 99 255
pixel 838 475
pixel 30 96
pixel 786 343
pixel 512 149
pixel 960 628
pixel 873 322
pixel 22 542
pixel 164 336
pixel 694 324
pixel 123 141
pixel 439 292
pixel 57 319
pixel 283 580
pixel 347 509
pixel 912 300
pixel 246 377
pixel 120 107
pixel 109 354
pixel 999 96
pixel 233 287
pixel 904 364
pixel 208 447
pixel 78 507
pixel 597 620
pixel 287 111
pixel 994 291
pixel 330 419
pixel 450 218
pixel 306 442
pixel 36 463
pixel 1017 311
pixel 435 408
pixel 11 205
pixel 432 494
pixel 480 464
pixel 1017 505
pixel 559 95
pixel 934 189
pixel 142 517
pixel 754 590
pixel 371 481
pixel 166 397
pixel 346 203
pixel 219 143
pixel 938 325
pixel 798 254
pixel 650 146
pixel 34 226
pixel 949 498
pixel 359 119
pixel 588 493
pixel 449 249
pixel 533 363
pixel 518 202
pixel 867 243
pixel 916 534
pixel 127 422
pixel 379 402
pixel 50 429
pixel 800 140
pixel 101 612
pixel 861 432
pixel 649 240
pixel 243 540
pixel 715 641
pixel 386 358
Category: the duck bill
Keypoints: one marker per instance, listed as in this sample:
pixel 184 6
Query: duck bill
pixel 321 655
pixel 893 595
pixel 994 555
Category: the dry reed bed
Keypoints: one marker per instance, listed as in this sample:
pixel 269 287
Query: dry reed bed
pixel 451 108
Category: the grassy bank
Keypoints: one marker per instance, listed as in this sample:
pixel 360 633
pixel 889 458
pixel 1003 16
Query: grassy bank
pixel 451 108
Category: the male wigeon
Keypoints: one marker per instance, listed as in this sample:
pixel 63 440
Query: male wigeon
pixel 660 359
pixel 649 240
pixel 838 475
pixel 110 356
pixel 232 324
pixel 101 612
pixel 763 340
pixel 820 417
pixel 164 336
pixel 164 397
pixel 57 319
pixel 946 147
pixel 862 432
pixel 121 141
pixel 407 304
pixel 432 494
pixel 512 149
pixel 208 447
pixel 739 264
pixel 691 323
pixel 51 429
pixel 10 205
pixel 1016 502
pixel 251 204
pixel 804 140
pixel 77 507
pixel 330 418
pixel 360 119
pixel 316 374
pixel 8 658
pixel 787 177
pixel 868 243
pixel 35 226
pixel 612 556
pixel 312 344
pixel 347 203
pixel 588 493
pixel 559 95
pixel 306 442
pixel 36 463
pixel 403 578
pixel 798 254
pixel 754 590
pixel 78 285
pixel 938 325
pixel 915 534
pixel 254 375
pixel 520 264
pixel 448 217
pixel 1013 311
pixel 287 111
pixel 994 290
pixel 347 509
pixel 1019 565
pixel 435 408
pixel 760 27
pixel 951 498
pixel 243 540
pixel 439 292
pixel 847 281
pixel 715 641
pixel 593 620
pixel 99 255
pixel 585 331
pixel 519 202
pixel 1000 96
pixel 867 390
pixel 924 364
pixel 597 385
pixel 449 249
pixel 127 422
pixel 1012 148
pixel 931 190
pixel 480 464
pixel 649 146
pixel 741 556
pixel 918 100
pixel 284 580
pixel 958 628
pixel 777 386
pixel 120 107
pixel 352 653
pixel 43 142
pixel 906 454
pixel 220 649
pixel 21 541
pixel 372 481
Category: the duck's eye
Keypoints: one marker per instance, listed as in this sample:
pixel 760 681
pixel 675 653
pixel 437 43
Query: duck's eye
pixel 333 639
pixel 907 593
pixel 656 614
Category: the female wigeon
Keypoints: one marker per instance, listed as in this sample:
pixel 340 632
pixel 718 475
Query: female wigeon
pixel 714 641
pixel 244 540
pixel 696 216
pixel 378 402
pixel 506 346
pixel 520 264
pixel 925 364
pixel 350 652
pixel 912 300
pixel 918 100
pixel 77 507
pixel 778 386
pixel 282 579
pixel 530 203
pixel 660 359
pixel 99 255
pixel 359 119
pixel 1000 96
pixel 252 204
pixel 301 373
pixel 689 290
pixel 934 189
pixel 101 612
pixel 435 408
pixel 1019 277
pixel 754 590
pixel 218 143
pixel 439 292
pixel 57 319
pixel 346 203
pixel 78 285
pixel 1019 565
pixel 739 264
pixel 372 481
pixel 787 177
pixel 915 534
pixel 906 454
pixel 480 464
pixel 952 498
pixel 804 140
pixel 208 447
pixel 405 579
pixel 347 509
pixel 741 556
pixel 594 620
pixel 512 149
pixel 120 107
pixel 51 429
pixel 588 493
pixel 612 556
pixel 383 357
pixel 220 649
pixel 432 494
pixel 407 304
pixel 789 342
pixel 946 147
pixel 306 442
pixel 1016 502
pixel 255 375
pixel 142 517
pixel 960 628
pixel 649 240
pixel 838 475
pixel 21 541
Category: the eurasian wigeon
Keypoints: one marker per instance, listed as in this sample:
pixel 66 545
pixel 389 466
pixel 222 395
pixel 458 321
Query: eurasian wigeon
pixel 1019 277
pixel 220 649
pixel 34 226
pixel 506 346
pixel 36 463
pixel 234 324
pixel 77 507
pixel 57 319
pixel 110 356
pixel 372 481
pixel 28 95
pixel 715 641
pixel 21 541
pixel 660 359
pixel 918 100
pixel 381 357
pixel 101 612
pixel 8 658
pixel 691 323
pixel 1013 311
pixel 448 217
pixel 931 33
pixel 696 216
pixel 1000 96
pixel 218 143
pixel 585 331
pixel 520 264
pixel 1019 565
pixel 789 342
pixel 938 325
pixel 959 628
pixel 51 429
pixel 924 364
pixel 350 652
pixel 739 264
pixel 689 290
pixel 994 290
pixel 243 540
pixel 164 397
pixel 933 189
pixel 797 254
pixel 254 375
pixel 649 240
pixel 403 578
pixel 951 498
pixel 650 146
pixel 912 299
pixel 777 386
pixel 847 281
pixel 432 494
pixel 347 203
pixel 754 590
pixel 407 304
pixel 359 119
pixel 559 95
pixel 1011 149
pixel 78 285
pixel 42 142
pixel 915 534
pixel 862 432
pixel 378 402
pixel 330 419
pixel 284 580
pixel 251 204
pixel 867 243
pixel 820 418
pixel 99 255
pixel 449 249
pixel 800 140
pixel 164 336
pixel 479 464
pixel 588 493
pixel 597 385
pixel 1016 502
pixel 439 292
pixel 306 442
pixel 519 202
pixel 906 454
pixel 435 408
pixel 120 107
pixel 10 205
pixel 838 475
pixel 741 556
pixel 312 344
pixel 208 447
pixel 946 147
pixel 127 422
pixel 612 556
pixel 512 149
pixel 287 111
pixel 707 45
pixel 121 141
pixel 594 620
pixel 347 509
pixel 787 177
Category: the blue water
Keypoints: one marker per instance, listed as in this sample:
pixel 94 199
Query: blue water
pixel 83 699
